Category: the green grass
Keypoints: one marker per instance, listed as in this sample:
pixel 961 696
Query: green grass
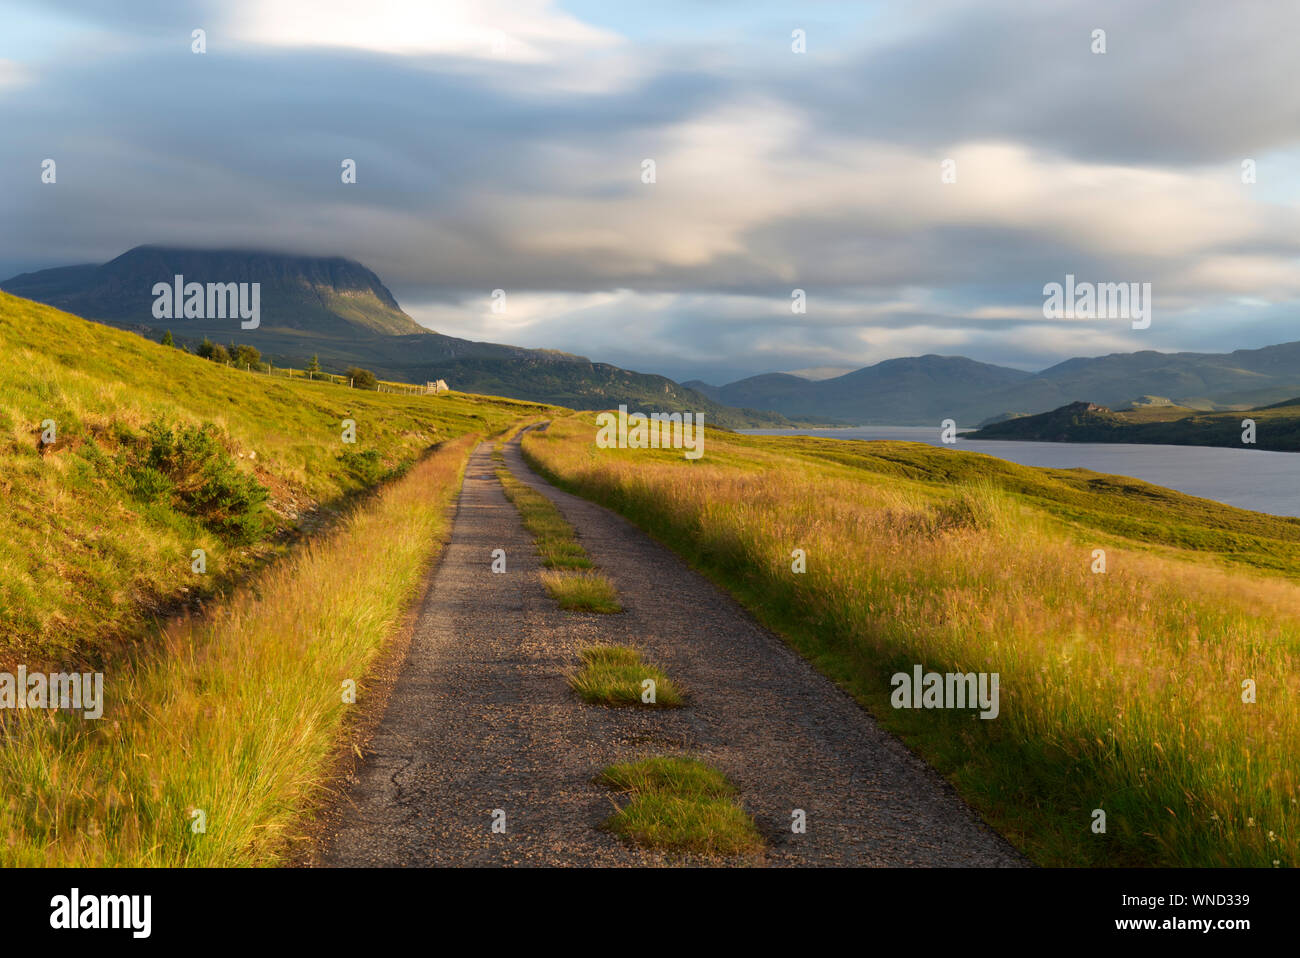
pixel 582 591
pixel 159 453
pixel 1119 691
pixel 613 675
pixel 680 805
pixel 569 574
pixel 556 542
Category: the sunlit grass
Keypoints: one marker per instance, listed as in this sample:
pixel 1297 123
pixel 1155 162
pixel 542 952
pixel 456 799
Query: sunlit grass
pixel 581 591
pixel 233 714
pixel 614 675
pixel 682 805
pixel 1120 691
pixel 86 557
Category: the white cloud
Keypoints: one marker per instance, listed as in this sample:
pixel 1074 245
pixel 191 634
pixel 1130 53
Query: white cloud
pixel 520 31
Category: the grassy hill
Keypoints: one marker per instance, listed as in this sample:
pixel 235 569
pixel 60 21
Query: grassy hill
pixel 1121 685
pixel 1277 427
pixel 159 453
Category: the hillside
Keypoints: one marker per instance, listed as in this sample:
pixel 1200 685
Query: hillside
pixel 339 310
pixel 158 453
pixel 922 390
pixel 585 385
pixel 1277 427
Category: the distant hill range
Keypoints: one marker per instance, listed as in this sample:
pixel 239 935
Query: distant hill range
pixel 926 389
pixel 1276 427
pixel 339 310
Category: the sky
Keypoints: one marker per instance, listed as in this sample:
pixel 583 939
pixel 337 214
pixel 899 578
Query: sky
pixel 502 146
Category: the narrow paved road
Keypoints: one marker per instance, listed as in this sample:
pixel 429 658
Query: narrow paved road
pixel 481 719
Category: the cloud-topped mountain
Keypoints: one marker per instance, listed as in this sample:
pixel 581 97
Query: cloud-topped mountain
pixel 339 310
pixel 326 297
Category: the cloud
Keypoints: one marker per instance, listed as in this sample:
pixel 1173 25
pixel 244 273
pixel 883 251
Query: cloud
pixel 518 166
pixel 524 31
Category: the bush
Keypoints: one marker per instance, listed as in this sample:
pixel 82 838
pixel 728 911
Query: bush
pixel 189 466
pixel 249 356
pixel 361 378
pixel 213 351
pixel 366 467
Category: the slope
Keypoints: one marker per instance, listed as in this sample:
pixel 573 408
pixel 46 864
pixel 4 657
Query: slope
pixel 156 453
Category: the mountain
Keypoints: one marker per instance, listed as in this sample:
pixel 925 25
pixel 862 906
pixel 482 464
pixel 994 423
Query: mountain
pixel 1277 427
pixel 339 310
pixel 925 389
pixel 914 390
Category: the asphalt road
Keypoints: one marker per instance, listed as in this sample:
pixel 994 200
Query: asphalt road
pixel 481 721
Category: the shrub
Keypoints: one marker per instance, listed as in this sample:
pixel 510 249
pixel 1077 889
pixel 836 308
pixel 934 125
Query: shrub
pixel 189 466
pixel 366 466
pixel 213 351
pixel 361 378
pixel 249 356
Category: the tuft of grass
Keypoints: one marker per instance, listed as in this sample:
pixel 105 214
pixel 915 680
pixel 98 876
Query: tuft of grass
pixel 582 591
pixel 613 675
pixel 682 805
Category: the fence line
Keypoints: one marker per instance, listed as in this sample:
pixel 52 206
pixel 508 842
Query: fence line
pixel 406 389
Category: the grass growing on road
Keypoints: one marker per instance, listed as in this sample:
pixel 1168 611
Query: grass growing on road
pixel 233 714
pixel 613 675
pixel 557 544
pixel 569 575
pixel 1120 690
pixel 682 805
pixel 582 591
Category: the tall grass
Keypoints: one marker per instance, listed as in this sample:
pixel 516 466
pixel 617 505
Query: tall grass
pixel 233 714
pixel 1120 691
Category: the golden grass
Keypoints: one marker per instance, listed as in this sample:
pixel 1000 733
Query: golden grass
pixel 682 805
pixel 233 714
pixel 1120 691
pixel 615 675
pixel 581 591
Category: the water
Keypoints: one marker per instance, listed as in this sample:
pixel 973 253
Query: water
pixel 1247 478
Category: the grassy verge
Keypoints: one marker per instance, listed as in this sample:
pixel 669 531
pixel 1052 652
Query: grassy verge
pixel 569 577
pixel 1120 691
pixel 232 715
pixel 614 675
pixel 682 805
